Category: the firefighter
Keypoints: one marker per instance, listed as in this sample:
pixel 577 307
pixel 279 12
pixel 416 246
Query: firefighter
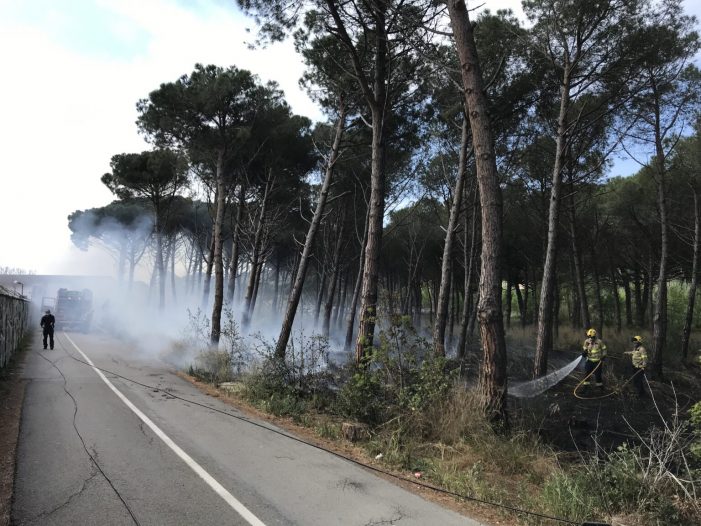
pixel 47 323
pixel 638 362
pixel 594 350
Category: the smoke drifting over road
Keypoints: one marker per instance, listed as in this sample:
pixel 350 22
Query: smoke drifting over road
pixel 125 292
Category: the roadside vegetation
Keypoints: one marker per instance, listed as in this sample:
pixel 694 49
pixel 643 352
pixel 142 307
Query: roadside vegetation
pixel 418 415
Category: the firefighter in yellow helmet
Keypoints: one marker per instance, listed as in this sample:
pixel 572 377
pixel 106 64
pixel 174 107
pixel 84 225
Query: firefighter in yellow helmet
pixel 594 350
pixel 638 357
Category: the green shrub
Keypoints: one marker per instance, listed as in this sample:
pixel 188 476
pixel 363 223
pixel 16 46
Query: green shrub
pixel 402 375
pixel 291 386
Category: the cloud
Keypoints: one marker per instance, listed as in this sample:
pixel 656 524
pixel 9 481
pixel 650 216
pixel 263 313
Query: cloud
pixel 68 103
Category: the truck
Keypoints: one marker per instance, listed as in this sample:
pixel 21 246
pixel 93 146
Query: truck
pixel 74 309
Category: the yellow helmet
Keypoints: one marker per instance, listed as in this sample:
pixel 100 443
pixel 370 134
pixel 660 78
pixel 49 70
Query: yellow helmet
pixel 591 333
pixel 637 339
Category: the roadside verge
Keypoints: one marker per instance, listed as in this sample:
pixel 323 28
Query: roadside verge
pixel 12 388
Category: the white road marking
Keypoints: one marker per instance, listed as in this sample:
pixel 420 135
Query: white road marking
pixel 209 479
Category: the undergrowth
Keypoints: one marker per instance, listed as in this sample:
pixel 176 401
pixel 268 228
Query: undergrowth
pixel 423 419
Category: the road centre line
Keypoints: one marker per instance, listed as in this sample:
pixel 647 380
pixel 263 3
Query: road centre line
pixel 220 490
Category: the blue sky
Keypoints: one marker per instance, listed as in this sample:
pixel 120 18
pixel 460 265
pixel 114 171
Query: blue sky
pixel 73 71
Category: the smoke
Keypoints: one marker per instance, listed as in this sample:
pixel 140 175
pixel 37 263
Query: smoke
pixel 114 252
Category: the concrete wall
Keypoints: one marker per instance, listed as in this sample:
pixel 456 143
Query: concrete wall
pixel 14 322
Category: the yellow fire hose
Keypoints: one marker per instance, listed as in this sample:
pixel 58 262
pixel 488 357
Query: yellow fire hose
pixel 615 391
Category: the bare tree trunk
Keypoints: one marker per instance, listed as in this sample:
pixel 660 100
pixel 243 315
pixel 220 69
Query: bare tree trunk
pixel 301 271
pixel 152 281
pixel 320 294
pixel 236 246
pixel 172 271
pixel 335 273
pixel 276 288
pixel 132 267
pixel 575 310
pixel 640 298
pixel 614 293
pixel 368 302
pixel 659 322
pixel 200 260
pixel 544 341
pixel 509 299
pixel 599 299
pixel 521 305
pixel 255 257
pixel 122 261
pixel 578 271
pixel 492 381
pixel 686 332
pixel 218 246
pixel 190 254
pixel 160 263
pixel 469 257
pixel 258 278
pixel 454 297
pixel 419 304
pixel 340 309
pixel 208 275
pixel 628 302
pixel 446 266
pixel 350 321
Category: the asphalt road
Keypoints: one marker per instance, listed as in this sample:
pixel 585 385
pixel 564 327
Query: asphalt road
pixel 93 453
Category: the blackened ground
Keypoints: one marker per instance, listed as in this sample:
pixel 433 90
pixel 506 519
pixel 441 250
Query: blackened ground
pixel 612 415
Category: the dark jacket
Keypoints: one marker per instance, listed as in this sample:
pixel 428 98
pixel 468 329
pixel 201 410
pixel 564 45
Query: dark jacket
pixel 48 321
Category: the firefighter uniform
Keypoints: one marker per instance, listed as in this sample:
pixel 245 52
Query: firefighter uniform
pixel 47 323
pixel 638 359
pixel 594 350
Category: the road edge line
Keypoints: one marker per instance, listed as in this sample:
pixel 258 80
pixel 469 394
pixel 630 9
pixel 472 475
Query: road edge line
pixel 220 490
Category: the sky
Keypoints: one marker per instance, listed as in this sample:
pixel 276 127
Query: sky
pixel 73 71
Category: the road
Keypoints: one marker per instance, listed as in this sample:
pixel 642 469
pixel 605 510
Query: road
pixel 102 450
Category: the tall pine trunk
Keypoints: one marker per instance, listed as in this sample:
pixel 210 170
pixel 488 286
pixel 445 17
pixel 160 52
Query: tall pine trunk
pixel 659 320
pixel 686 333
pixel 301 270
pixel 207 280
pixel 492 379
pixel 335 275
pixel 353 307
pixel 236 245
pixel 218 245
pixel 468 258
pixel 446 266
pixel 544 340
pixel 368 301
pixel 256 255
pixel 578 270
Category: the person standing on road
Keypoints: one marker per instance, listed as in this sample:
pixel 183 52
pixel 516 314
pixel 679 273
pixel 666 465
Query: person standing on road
pixel 47 323
pixel 594 350
pixel 638 357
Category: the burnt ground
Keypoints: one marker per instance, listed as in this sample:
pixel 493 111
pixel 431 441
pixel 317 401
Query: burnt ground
pixel 11 397
pixel 570 424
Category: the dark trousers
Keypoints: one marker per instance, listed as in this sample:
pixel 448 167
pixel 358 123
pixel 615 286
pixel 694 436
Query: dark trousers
pixel 590 366
pixel 50 334
pixel 639 380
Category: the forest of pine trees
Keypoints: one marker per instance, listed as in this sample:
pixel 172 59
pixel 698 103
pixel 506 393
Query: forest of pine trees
pixel 462 179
